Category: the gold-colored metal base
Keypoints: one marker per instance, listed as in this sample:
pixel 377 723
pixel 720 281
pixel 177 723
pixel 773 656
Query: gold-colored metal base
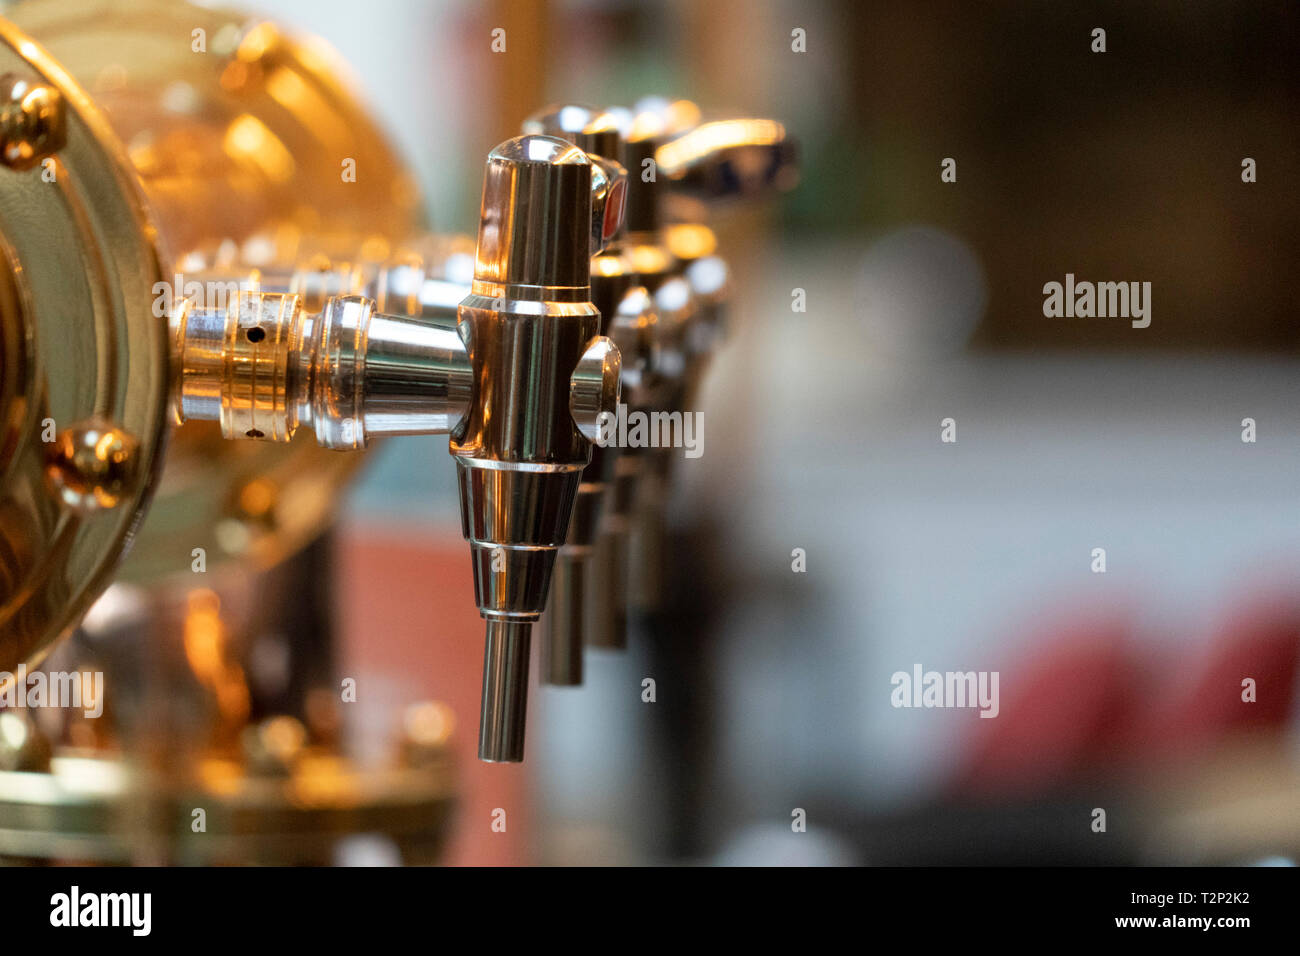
pixel 244 137
pixel 134 137
pixel 84 358
pixel 95 809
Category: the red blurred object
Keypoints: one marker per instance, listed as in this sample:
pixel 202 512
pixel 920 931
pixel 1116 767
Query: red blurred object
pixel 1094 705
pixel 1056 713
pixel 409 610
pixel 1200 704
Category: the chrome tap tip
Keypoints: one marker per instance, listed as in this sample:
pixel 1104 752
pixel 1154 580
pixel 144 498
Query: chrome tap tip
pixel 505 691
pixel 566 629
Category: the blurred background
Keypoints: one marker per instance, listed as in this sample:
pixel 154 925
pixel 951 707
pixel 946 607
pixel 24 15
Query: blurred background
pixel 924 301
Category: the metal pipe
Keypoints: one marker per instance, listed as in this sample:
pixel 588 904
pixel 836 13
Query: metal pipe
pixel 263 366
pixel 505 691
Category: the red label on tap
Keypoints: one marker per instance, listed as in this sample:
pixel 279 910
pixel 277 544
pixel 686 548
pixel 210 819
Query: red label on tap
pixel 614 210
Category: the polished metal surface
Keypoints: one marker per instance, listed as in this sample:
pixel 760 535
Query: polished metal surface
pixel 124 153
pixel 32 121
pixel 566 609
pixel 603 567
pixel 600 136
pixel 613 275
pixel 638 489
pixel 521 380
pixel 263 365
pixel 505 691
pixel 576 587
pixel 238 146
pixel 694 164
pixel 664 267
pixel 528 235
pixel 710 279
pixel 657 271
pixel 520 451
pixel 730 159
pixel 594 386
pixel 82 356
pixel 524 390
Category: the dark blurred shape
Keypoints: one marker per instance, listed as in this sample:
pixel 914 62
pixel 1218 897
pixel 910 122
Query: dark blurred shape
pixel 1116 166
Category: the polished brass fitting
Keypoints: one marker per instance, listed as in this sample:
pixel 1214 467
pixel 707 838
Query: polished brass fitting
pixel 263 365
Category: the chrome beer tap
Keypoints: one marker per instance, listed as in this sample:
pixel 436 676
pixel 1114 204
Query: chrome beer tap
pixel 516 372
pixel 671 306
pixel 543 375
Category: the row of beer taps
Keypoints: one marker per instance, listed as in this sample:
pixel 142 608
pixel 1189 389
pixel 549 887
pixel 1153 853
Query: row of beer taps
pixel 595 280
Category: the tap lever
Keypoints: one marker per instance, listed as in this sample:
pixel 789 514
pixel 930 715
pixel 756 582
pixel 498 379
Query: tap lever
pixel 730 159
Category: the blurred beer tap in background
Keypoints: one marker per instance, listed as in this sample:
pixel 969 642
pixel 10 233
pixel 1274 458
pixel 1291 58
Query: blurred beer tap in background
pixel 661 292
pixel 671 309
pixel 699 164
pixel 628 317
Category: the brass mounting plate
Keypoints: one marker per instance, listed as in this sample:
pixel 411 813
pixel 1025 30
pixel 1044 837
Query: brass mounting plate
pixel 84 362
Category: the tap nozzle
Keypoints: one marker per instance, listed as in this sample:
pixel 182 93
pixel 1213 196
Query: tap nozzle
pixel 505 691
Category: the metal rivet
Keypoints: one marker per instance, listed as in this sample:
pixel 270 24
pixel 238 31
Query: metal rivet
pixel 93 466
pixel 32 121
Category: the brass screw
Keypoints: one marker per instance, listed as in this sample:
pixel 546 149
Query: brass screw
pixel 32 121
pixel 93 465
